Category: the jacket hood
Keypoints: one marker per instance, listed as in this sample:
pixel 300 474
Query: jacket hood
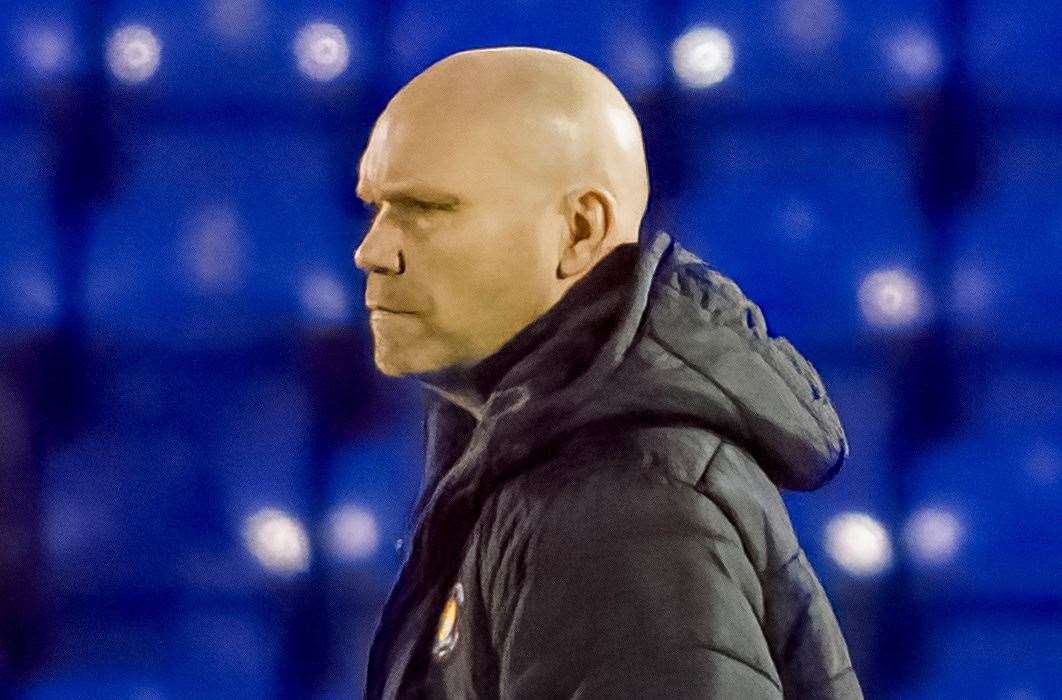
pixel 680 341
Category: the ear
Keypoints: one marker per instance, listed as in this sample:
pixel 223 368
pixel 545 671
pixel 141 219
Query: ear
pixel 590 215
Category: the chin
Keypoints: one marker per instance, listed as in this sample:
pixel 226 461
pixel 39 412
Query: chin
pixel 389 370
pixel 400 366
pixel 392 366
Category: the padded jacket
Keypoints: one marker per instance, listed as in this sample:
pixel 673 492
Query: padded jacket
pixel 611 526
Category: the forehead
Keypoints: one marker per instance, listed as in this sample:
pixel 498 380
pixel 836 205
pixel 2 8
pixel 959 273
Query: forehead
pixel 434 154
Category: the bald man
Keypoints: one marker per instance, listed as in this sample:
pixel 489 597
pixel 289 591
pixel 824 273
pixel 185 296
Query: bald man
pixel 608 425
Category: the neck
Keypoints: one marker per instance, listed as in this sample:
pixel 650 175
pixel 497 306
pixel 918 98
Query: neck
pixel 457 384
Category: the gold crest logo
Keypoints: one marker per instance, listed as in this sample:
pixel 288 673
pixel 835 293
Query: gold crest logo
pixel 446 634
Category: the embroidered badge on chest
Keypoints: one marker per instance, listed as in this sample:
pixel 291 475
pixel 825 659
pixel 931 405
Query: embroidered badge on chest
pixel 446 634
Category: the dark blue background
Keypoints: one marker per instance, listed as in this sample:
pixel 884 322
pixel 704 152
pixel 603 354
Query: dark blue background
pixel 185 354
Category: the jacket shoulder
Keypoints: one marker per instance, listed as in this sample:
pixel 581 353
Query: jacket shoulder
pixel 603 474
pixel 622 571
pixel 688 457
pixel 681 486
pixel 591 488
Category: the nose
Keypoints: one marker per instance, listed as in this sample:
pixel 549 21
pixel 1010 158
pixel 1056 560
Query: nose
pixel 379 251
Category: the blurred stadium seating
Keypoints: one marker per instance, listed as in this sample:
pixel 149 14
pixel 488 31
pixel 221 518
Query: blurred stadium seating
pixel 622 38
pixel 1005 270
pixel 28 251
pixel 216 507
pixel 234 246
pixel 800 216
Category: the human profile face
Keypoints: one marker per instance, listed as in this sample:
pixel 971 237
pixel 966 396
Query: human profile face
pixel 461 252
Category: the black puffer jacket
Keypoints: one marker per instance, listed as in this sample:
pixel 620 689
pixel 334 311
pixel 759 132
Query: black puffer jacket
pixel 612 526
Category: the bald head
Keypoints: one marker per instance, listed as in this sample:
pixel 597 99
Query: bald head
pixel 555 119
pixel 508 172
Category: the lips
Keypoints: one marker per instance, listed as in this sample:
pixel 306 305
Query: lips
pixel 376 306
pixel 388 310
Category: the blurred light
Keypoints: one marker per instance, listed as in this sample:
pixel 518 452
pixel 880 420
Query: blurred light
pixel 702 56
pixel 891 297
pixel 236 20
pixel 933 535
pixel 147 693
pixel 46 51
pixel 914 57
pixel 324 298
pixel 277 540
pixel 352 533
pixel 810 23
pixel 858 543
pixel 796 218
pixel 1022 694
pixel 133 53
pixel 971 291
pixel 322 51
pixel 36 292
pixel 1043 464
pixel 73 526
pixel 214 251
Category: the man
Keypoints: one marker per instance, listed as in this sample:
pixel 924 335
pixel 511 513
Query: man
pixel 607 425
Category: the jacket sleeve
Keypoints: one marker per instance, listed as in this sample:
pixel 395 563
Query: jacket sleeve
pixel 632 587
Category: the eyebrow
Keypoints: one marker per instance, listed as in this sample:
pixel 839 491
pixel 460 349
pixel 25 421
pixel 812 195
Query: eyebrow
pixel 414 194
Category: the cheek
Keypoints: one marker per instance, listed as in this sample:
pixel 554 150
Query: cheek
pixel 494 298
pixel 420 224
pixel 490 272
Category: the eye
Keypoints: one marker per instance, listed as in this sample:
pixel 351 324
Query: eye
pixel 413 203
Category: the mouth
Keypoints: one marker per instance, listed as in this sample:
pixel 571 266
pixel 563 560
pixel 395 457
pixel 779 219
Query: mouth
pixel 379 310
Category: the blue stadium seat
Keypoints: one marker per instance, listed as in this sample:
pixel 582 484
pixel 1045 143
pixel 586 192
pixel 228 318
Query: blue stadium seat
pixel 373 482
pixel 258 438
pixel 211 238
pixel 99 684
pixel 93 513
pixel 229 651
pixel 146 518
pixel 1007 395
pixel 42 42
pixel 28 250
pixel 621 38
pixel 249 429
pixel 1014 52
pixel 798 217
pixel 379 474
pixel 231 49
pixel 1001 488
pixel 862 400
pixel 989 655
pixel 1006 282
pixel 819 52
pixel 158 494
